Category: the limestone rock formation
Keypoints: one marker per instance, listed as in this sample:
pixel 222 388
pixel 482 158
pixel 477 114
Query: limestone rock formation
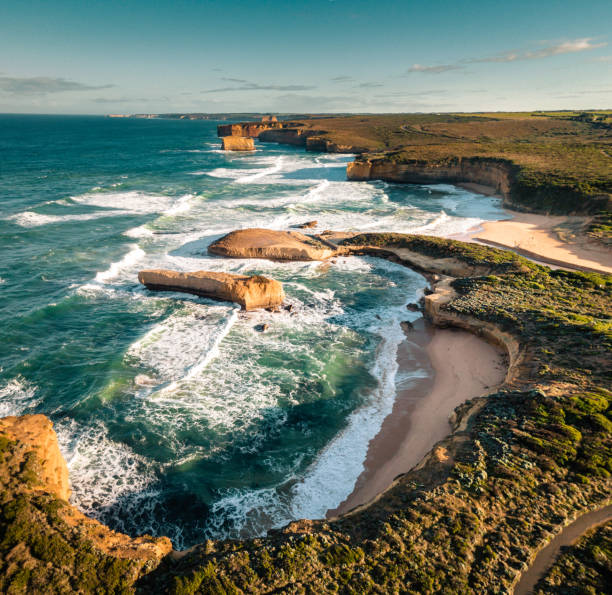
pixel 268 243
pixel 238 143
pixel 491 172
pixel 250 292
pixel 36 433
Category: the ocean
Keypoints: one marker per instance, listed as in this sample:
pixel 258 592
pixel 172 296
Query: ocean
pixel 175 415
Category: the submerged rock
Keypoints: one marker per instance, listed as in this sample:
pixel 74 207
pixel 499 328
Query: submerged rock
pixel 307 225
pixel 250 292
pixel 268 243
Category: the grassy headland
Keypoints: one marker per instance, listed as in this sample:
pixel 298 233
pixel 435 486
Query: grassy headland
pixel 557 162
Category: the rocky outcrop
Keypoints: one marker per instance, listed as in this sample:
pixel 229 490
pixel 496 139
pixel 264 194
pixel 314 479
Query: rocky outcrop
pixel 324 145
pixel 252 129
pixel 495 173
pixel 285 136
pixel 36 433
pixel 250 292
pixel 310 139
pixel 274 245
pixel 238 143
pixel 34 473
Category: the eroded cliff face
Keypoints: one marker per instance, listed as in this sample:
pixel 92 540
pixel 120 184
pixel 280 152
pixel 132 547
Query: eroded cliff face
pixel 47 545
pixel 252 129
pixel 250 292
pixel 285 136
pixel 36 433
pixel 490 172
pixel 237 143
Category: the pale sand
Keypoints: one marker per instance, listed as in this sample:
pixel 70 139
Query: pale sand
pixel 556 240
pixel 464 366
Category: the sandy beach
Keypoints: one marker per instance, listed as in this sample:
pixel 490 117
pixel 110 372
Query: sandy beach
pixel 461 366
pixel 550 239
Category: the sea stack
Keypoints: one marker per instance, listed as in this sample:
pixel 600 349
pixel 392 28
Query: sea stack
pixel 238 143
pixel 251 293
pixel 272 244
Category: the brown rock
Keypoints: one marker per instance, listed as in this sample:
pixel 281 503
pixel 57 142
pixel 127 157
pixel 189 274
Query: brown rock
pixel 250 292
pixel 307 225
pixel 238 143
pixel 37 433
pixel 267 243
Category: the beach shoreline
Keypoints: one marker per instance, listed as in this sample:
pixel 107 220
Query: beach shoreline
pixel 556 240
pixel 461 366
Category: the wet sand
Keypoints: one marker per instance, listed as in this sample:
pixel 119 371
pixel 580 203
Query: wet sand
pixel 460 366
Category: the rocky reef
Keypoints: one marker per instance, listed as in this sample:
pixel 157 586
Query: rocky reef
pixel 250 292
pixel 237 143
pixel 275 245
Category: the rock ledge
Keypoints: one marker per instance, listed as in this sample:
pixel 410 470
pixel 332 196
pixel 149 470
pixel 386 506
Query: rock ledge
pixel 250 292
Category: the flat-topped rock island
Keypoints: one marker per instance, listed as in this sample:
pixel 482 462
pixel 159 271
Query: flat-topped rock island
pixel 250 292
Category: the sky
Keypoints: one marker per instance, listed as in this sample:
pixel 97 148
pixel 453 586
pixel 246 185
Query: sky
pixel 315 56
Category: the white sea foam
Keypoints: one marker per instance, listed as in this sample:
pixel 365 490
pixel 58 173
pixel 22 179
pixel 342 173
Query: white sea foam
pixel 111 204
pixel 185 343
pixel 16 396
pixel 142 231
pixel 107 475
pixel 132 257
pixel 33 219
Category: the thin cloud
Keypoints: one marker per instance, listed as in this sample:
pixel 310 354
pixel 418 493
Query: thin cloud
pixel 119 100
pixel 583 44
pixel 439 69
pixel 369 85
pixel 255 87
pixel 42 85
pixel 342 79
pixel 233 80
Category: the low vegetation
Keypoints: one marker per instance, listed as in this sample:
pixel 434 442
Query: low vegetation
pixel 585 568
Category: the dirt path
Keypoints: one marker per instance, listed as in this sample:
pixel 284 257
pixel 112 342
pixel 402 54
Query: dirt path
pixel 547 555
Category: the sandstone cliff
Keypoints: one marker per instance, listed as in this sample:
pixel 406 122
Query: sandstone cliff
pixel 285 136
pixel 36 433
pixel 237 143
pixel 250 292
pixel 47 545
pixel 252 129
pixel 490 172
pixel 275 245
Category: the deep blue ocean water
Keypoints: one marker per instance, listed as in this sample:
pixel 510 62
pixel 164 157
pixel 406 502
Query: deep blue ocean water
pixel 175 415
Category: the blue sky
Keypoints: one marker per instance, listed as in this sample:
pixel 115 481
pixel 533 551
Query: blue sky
pixel 107 56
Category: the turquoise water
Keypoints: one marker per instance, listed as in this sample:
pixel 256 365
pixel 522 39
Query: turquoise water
pixel 175 415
